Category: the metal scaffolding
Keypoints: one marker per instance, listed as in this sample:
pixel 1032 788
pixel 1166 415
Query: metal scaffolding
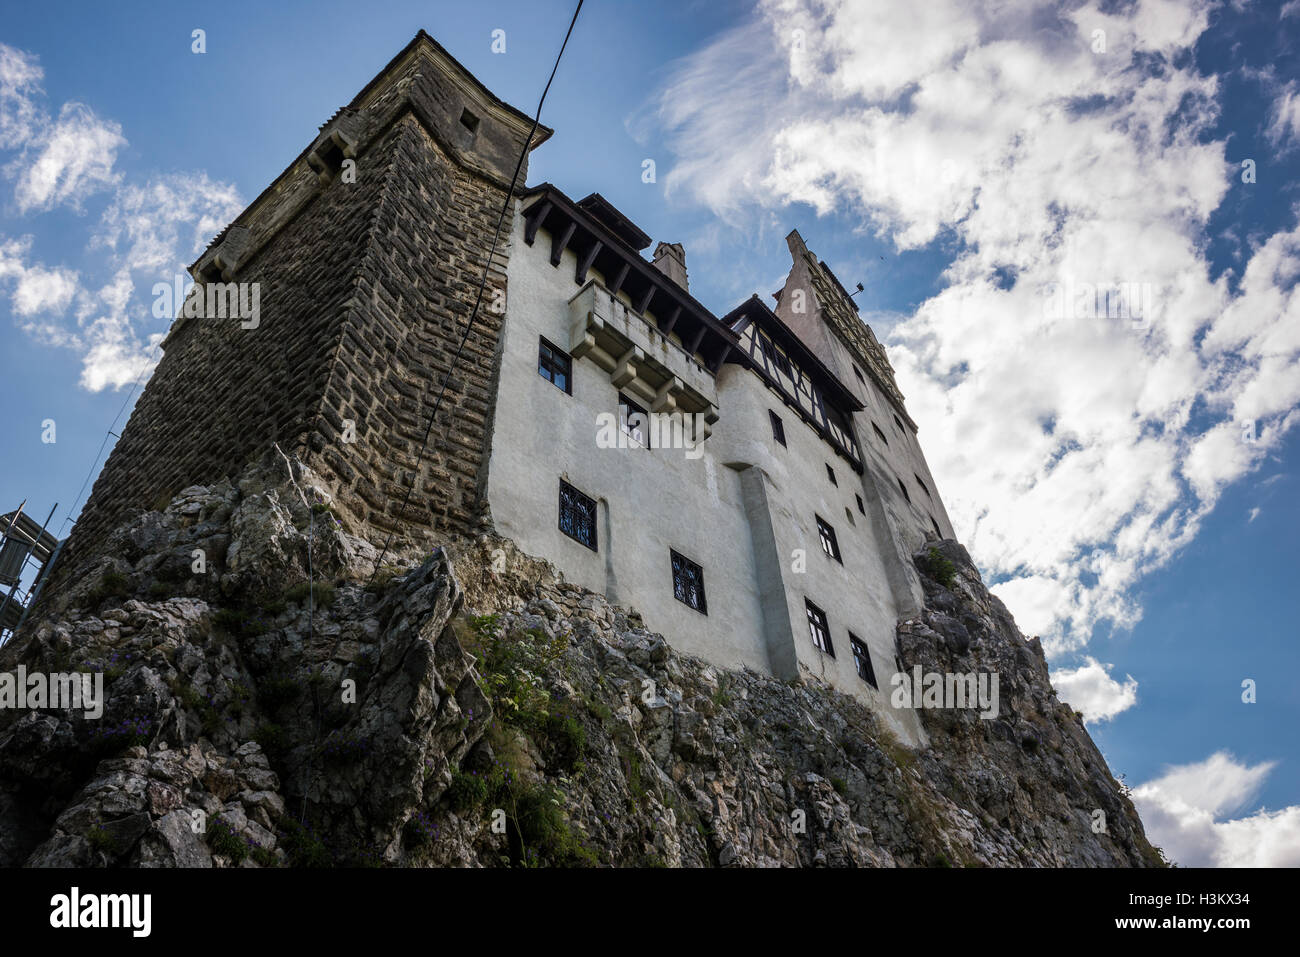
pixel 23 544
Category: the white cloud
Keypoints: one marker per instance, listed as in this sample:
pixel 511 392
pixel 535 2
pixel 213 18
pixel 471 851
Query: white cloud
pixel 1252 515
pixel 148 231
pixel 20 83
pixel 72 158
pixel 1182 812
pixel 1074 454
pixel 1090 689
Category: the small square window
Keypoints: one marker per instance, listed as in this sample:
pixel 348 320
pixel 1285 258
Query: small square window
pixel 937 531
pixel 862 661
pixel 469 121
pixel 899 422
pixel 880 435
pixel 827 535
pixel 819 628
pixel 555 366
pixel 861 508
pixel 903 488
pixel 922 484
pixel 688 582
pixel 849 516
pixel 778 427
pixel 634 421
pixel 577 515
pixel 830 474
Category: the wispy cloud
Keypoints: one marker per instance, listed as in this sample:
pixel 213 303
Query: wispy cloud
pixel 147 231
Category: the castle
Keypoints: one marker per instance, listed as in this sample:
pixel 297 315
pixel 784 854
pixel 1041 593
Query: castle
pixel 764 487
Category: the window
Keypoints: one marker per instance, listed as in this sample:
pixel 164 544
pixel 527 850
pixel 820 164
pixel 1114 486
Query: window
pixel 936 527
pixel 858 372
pixel 899 422
pixel 688 582
pixel 922 484
pixel 830 474
pixel 778 427
pixel 849 516
pixel 880 435
pixel 555 366
pixel 469 121
pixel 632 419
pixel 862 661
pixel 861 508
pixel 819 629
pixel 827 534
pixel 903 488
pixel 577 515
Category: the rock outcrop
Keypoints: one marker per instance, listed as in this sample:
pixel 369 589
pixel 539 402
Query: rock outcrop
pixel 467 707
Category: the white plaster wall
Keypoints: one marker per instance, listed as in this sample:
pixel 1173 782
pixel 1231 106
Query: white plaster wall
pixel 653 500
pixel 650 500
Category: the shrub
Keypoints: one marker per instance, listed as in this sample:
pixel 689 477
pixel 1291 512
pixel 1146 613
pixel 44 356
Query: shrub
pixel 111 585
pixel 303 847
pixel 939 568
pixel 841 786
pixel 272 738
pixel 221 837
pixel 322 594
pixel 101 840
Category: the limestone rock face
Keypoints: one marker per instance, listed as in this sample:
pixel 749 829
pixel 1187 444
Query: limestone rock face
pixel 467 707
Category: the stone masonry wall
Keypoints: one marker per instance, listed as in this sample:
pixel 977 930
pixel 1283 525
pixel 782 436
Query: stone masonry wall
pixel 430 235
pixel 365 290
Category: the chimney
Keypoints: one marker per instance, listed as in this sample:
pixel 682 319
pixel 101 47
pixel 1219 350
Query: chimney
pixel 670 259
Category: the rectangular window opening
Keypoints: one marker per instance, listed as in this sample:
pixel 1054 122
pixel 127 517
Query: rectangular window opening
pixel 830 474
pixel 555 366
pixel 819 628
pixel 827 535
pixel 778 427
pixel 634 421
pixel 861 508
pixel 903 488
pixel 923 485
pixel 577 515
pixel 880 435
pixel 862 661
pixel 688 582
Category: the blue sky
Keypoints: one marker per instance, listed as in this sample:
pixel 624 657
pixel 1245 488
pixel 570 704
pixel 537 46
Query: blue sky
pixel 956 160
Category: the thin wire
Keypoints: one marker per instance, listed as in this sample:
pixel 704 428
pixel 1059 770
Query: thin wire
pixel 496 235
pixel 129 396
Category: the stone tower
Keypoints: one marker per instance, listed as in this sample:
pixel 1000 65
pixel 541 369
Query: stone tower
pixel 366 254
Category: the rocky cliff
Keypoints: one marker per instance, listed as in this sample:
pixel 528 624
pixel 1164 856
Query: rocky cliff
pixel 467 707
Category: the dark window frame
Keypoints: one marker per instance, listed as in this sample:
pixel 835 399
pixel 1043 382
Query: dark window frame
pixel 879 434
pixel 862 656
pixel 778 427
pixel 862 509
pixel 830 474
pixel 924 488
pixel 902 487
pixel 819 628
pixel 624 402
pixel 830 543
pixel 580 499
pixel 688 581
pixel 558 361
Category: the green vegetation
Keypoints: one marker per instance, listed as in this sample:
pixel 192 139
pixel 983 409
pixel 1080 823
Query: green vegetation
pixel 322 594
pixel 939 568
pixel 101 840
pixel 223 840
pixel 241 622
pixel 111 585
pixel 273 739
pixel 841 786
pixel 303 847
